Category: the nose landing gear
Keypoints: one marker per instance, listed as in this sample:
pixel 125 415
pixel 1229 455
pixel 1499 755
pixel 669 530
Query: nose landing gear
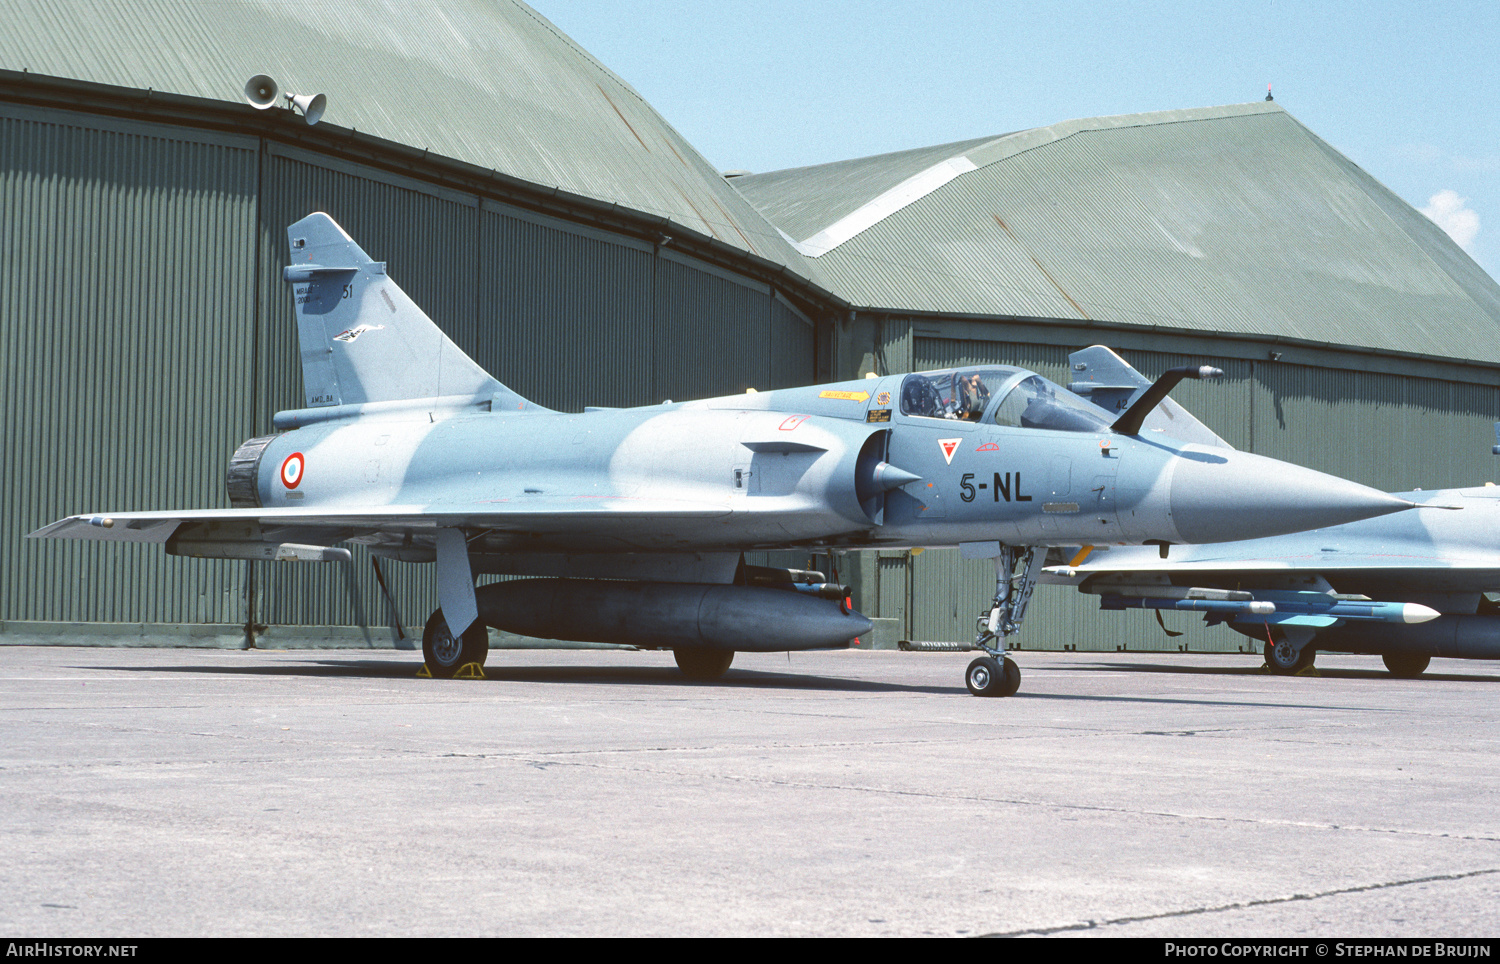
pixel 1016 571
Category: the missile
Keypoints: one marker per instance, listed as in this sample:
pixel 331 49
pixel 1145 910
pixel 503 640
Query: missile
pixel 1248 609
pixel 1385 612
pixel 269 551
pixel 1230 607
pixel 669 615
pixel 798 580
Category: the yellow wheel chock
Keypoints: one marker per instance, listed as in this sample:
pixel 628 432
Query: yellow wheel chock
pixel 466 671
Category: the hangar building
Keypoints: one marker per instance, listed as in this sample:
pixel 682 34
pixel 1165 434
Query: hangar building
pixel 1356 337
pixel 526 197
pixel 580 249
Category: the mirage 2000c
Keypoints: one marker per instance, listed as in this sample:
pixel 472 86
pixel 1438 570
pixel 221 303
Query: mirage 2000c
pixel 632 523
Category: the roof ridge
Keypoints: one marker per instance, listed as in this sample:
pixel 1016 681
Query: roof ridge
pixel 977 141
pixel 1009 145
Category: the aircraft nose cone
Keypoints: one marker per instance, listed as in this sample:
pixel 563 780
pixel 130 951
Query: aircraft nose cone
pixel 1222 496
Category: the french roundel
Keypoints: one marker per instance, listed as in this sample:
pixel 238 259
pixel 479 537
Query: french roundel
pixel 291 470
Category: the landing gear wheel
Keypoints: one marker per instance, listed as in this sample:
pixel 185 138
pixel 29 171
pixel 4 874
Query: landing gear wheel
pixel 1285 660
pixel 1406 665
pixel 445 654
pixel 703 663
pixel 988 676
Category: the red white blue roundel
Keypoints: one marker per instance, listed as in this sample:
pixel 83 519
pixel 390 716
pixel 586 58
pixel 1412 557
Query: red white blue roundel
pixel 291 470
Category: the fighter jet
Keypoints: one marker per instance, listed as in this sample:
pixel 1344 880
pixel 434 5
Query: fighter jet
pixel 1405 587
pixel 632 523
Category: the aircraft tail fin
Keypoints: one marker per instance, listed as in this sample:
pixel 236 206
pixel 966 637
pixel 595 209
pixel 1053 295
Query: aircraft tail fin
pixel 1110 382
pixel 362 339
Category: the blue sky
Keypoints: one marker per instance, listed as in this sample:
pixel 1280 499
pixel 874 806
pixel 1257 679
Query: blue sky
pixel 1409 91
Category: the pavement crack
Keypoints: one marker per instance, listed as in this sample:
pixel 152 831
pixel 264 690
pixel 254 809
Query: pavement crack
pixel 1239 905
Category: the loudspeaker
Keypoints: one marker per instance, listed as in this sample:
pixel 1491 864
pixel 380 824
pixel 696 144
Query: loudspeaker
pixel 260 92
pixel 311 105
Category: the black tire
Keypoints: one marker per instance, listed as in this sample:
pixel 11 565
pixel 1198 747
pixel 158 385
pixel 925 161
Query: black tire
pixel 444 654
pixel 988 676
pixel 982 675
pixel 1283 660
pixel 703 663
pixel 1406 665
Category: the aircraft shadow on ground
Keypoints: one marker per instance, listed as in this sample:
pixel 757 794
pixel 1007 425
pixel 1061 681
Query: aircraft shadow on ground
pixel 500 673
pixel 669 678
pixel 1251 669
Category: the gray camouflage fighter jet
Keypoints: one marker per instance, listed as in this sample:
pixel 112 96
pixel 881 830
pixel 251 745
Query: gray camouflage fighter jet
pixel 1404 587
pixel 408 447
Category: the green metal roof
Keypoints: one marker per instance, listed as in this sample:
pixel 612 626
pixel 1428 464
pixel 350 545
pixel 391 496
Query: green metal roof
pixel 493 84
pixel 1229 219
pixel 842 187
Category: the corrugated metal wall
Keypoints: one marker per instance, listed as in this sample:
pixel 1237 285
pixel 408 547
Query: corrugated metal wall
pixel 126 324
pixel 592 339
pixel 147 332
pixel 1388 431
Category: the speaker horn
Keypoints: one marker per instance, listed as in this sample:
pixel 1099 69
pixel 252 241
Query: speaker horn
pixel 260 92
pixel 311 105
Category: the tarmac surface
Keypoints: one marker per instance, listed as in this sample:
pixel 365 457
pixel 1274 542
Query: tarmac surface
pixel 200 792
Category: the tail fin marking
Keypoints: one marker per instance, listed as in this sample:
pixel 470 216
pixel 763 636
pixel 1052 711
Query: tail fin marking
pixel 362 339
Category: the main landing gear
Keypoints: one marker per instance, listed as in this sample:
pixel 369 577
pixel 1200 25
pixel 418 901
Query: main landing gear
pixel 1016 571
pixel 703 663
pixel 1406 665
pixel 1290 652
pixel 446 654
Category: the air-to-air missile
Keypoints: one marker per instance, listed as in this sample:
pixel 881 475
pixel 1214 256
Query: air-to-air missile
pixel 633 522
pixel 1266 607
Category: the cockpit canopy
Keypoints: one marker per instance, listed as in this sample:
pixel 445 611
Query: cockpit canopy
pixel 1000 395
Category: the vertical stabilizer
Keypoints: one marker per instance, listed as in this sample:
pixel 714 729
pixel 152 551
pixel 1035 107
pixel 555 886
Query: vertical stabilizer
pixel 362 339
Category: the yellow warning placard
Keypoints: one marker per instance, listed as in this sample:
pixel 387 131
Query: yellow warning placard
pixel 846 396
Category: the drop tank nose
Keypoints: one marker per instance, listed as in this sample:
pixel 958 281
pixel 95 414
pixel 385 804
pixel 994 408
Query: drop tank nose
pixel 1220 495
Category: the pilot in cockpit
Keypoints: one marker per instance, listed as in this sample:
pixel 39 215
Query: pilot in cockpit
pixel 971 397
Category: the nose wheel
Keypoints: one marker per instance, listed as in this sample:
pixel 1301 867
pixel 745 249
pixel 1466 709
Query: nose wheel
pixel 988 676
